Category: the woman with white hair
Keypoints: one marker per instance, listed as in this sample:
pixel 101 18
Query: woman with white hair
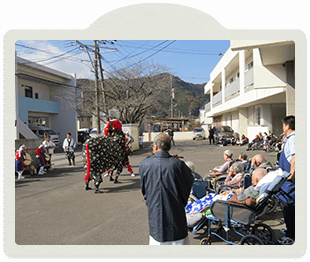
pixel 20 157
pixel 227 155
pixel 235 175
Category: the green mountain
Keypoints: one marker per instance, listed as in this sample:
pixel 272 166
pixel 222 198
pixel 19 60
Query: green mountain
pixel 189 98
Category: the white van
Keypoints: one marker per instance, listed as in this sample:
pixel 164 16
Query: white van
pixel 40 130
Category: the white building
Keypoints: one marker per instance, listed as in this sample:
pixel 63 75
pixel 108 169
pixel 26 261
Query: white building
pixel 259 87
pixel 45 97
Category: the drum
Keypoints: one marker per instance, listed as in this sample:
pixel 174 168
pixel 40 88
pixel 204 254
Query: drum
pixel 47 157
pixel 28 160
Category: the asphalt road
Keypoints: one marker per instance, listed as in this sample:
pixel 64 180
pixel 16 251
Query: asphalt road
pixel 54 209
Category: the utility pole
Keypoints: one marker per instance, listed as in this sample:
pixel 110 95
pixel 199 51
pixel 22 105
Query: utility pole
pixel 102 88
pixel 97 98
pixel 172 97
pixel 95 62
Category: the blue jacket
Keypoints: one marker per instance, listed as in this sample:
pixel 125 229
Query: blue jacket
pixel 165 184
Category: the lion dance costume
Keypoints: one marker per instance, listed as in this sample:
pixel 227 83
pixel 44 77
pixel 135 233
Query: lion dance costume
pixel 104 153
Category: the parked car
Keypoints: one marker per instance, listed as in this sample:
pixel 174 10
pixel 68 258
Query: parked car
pixel 40 130
pixel 82 137
pixel 199 132
pixel 93 132
pixel 225 131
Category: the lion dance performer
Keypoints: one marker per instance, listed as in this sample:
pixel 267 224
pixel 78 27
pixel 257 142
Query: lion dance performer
pixel 104 153
pixel 40 154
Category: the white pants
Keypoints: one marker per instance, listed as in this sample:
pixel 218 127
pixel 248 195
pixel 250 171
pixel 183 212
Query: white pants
pixel 184 241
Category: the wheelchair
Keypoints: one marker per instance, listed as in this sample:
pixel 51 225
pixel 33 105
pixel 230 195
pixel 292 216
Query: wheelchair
pixel 258 145
pixel 225 217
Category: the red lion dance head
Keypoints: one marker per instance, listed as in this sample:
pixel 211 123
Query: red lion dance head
pixel 111 126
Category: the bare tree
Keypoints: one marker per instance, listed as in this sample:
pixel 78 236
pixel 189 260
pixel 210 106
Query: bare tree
pixel 132 91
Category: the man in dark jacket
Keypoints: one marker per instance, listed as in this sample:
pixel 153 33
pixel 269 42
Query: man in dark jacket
pixel 211 135
pixel 170 133
pixel 165 184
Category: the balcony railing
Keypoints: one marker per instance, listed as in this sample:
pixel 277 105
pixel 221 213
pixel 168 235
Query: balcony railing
pixel 232 88
pixel 248 78
pixel 217 98
pixel 208 106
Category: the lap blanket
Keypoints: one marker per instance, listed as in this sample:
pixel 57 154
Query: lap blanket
pixel 201 204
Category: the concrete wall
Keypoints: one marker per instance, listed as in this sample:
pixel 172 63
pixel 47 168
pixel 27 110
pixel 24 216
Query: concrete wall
pixel 178 136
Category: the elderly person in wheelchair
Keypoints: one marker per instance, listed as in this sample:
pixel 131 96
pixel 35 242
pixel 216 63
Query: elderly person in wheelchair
pixel 235 175
pixel 261 162
pixel 245 196
pixel 219 170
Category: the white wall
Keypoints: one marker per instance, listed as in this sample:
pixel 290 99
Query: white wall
pixel 254 130
pixel 41 89
pixel 178 136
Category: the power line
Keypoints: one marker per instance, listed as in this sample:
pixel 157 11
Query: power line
pixel 180 50
pixel 52 53
pixel 141 52
pixel 151 55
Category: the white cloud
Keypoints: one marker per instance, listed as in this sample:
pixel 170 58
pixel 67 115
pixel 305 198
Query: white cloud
pixel 51 54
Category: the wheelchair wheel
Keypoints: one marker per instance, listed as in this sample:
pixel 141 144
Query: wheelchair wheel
pixel 264 232
pixel 270 207
pixel 219 182
pixel 260 146
pixel 251 240
pixel 205 241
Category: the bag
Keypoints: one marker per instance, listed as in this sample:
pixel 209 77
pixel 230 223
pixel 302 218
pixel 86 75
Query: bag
pixel 193 219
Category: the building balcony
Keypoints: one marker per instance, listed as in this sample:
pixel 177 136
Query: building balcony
pixel 26 104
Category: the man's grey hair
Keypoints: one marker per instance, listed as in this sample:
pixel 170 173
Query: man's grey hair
pixel 163 142
pixel 237 167
pixel 228 153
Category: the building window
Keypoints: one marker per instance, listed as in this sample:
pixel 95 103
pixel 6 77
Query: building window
pixel 257 115
pixel 250 116
pixel 250 65
pixel 36 95
pixel 253 115
pixel 28 91
pixel 37 121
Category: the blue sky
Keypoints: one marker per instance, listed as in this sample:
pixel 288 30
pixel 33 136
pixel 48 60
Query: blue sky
pixel 190 60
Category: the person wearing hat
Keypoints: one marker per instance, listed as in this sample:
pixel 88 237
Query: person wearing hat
pixel 49 147
pixel 20 157
pixel 40 154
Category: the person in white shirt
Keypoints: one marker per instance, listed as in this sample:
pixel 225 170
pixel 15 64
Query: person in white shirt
pixel 69 146
pixel 49 147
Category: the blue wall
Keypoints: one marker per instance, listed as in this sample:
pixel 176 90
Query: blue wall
pixel 26 104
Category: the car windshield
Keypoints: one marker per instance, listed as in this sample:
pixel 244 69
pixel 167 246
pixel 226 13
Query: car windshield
pixel 224 129
pixel 51 132
pixel 93 132
pixel 197 129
